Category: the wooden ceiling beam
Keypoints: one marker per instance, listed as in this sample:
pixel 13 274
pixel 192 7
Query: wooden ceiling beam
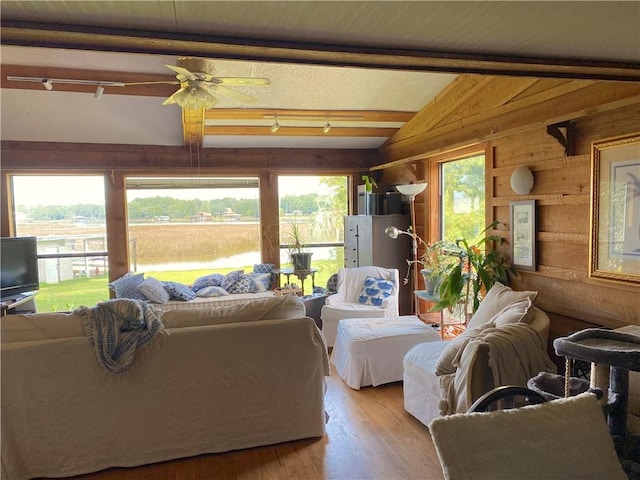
pixel 193 128
pixel 171 43
pixel 299 131
pixel 261 114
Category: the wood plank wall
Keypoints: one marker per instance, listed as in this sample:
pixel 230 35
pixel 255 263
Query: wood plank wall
pixel 562 191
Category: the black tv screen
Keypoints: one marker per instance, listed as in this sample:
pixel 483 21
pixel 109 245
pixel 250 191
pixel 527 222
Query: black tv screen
pixel 18 266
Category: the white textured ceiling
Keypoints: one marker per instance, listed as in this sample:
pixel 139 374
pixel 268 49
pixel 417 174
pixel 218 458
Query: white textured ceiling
pixel 593 31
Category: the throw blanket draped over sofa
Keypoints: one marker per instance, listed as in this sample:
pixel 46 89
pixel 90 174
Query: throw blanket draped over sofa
pixel 516 353
pixel 222 379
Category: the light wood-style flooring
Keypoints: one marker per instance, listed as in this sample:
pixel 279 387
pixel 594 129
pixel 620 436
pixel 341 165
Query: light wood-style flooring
pixel 369 436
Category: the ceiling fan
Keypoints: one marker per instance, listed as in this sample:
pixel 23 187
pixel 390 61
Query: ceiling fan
pixel 199 87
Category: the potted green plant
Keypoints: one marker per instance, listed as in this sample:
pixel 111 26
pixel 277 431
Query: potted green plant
pixel 474 272
pixel 298 249
pixel 435 261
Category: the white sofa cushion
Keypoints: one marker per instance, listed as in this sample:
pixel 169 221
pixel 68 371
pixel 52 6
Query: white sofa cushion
pixel 40 326
pixel 423 358
pixel 282 307
pixel 498 297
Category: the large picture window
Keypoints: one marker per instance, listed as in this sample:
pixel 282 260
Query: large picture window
pixel 462 205
pixel 182 228
pixel 315 208
pixel 66 214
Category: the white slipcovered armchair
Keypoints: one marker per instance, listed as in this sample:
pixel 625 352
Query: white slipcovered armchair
pixel 346 302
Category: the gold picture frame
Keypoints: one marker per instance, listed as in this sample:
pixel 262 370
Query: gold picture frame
pixel 614 241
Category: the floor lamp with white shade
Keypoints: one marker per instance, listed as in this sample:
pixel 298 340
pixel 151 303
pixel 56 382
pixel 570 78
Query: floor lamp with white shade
pixel 411 191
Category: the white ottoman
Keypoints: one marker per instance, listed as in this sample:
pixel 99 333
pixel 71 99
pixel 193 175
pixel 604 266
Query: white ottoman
pixel 369 351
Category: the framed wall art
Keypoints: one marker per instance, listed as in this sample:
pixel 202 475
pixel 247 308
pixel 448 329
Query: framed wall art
pixel 615 209
pixel 523 234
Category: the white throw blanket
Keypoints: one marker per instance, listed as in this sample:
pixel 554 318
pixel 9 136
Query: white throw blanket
pixel 516 354
pixel 116 328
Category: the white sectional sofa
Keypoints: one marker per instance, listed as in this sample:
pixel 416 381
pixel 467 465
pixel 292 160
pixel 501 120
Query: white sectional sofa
pixel 222 379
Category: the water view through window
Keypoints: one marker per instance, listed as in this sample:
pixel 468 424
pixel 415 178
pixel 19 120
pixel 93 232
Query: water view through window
pixel 178 228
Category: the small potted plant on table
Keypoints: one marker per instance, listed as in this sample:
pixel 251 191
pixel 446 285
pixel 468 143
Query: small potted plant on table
pixel 298 252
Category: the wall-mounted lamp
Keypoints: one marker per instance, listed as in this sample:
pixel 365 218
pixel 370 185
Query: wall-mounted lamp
pixel 275 126
pixel 522 180
pixel 46 83
pixel 99 92
pixel 327 127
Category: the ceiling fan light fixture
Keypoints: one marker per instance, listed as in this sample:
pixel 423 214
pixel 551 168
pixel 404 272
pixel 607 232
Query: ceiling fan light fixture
pixel 99 92
pixel 46 83
pixel 327 127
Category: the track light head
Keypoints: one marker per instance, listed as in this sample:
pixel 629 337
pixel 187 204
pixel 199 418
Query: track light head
pixel 275 126
pixel 327 127
pixel 99 92
pixel 46 83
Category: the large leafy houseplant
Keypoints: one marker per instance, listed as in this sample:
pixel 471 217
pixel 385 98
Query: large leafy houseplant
pixel 473 272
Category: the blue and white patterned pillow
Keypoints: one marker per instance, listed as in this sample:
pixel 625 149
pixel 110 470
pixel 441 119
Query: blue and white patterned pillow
pixel 179 291
pixel 212 291
pixel 375 291
pixel 262 282
pixel 332 284
pixel 127 286
pixel 154 290
pixel 231 278
pixel 267 268
pixel 264 267
pixel 245 284
pixel 212 280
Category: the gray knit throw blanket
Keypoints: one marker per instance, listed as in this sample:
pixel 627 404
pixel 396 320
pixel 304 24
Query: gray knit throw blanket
pixel 116 328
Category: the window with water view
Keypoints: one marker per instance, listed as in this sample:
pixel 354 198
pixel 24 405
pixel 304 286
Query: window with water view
pixel 178 229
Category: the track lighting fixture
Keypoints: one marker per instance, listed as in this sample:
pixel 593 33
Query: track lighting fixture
pixel 46 83
pixel 99 92
pixel 327 127
pixel 275 126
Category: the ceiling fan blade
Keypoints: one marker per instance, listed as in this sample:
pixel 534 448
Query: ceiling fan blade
pixel 182 72
pixel 245 81
pixel 227 92
pixel 172 98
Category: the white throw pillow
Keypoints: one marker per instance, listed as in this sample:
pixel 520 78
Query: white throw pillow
pixel 498 297
pixel 154 290
pixel 517 312
pixel 445 364
pixel 212 292
pixel 283 307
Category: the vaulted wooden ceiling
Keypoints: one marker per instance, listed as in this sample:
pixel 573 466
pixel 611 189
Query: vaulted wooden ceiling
pixel 381 62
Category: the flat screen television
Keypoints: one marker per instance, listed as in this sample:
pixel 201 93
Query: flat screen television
pixel 18 266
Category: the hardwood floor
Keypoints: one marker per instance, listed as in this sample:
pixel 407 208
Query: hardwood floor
pixel 369 436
